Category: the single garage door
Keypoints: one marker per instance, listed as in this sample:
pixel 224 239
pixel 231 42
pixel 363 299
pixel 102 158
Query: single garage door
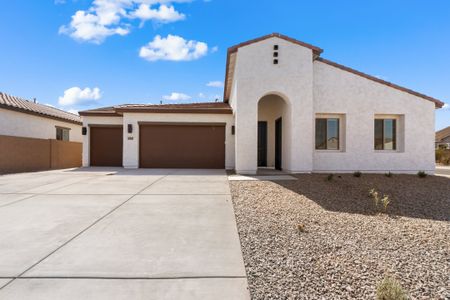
pixel 182 146
pixel 106 146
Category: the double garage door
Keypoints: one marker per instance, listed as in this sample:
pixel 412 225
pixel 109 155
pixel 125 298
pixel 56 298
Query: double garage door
pixel 163 145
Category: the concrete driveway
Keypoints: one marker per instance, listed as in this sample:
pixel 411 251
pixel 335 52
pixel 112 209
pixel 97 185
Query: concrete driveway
pixel 105 233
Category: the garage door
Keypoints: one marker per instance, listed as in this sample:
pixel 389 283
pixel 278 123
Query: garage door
pixel 182 146
pixel 106 146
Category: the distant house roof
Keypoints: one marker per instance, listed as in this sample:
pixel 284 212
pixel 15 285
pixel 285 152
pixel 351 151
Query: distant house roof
pixel 195 108
pixel 231 62
pixel 29 107
pixel 442 134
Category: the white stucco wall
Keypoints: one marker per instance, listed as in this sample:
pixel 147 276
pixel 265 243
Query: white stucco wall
pixel 360 100
pixel 131 147
pixel 292 78
pixel 94 120
pixel 15 123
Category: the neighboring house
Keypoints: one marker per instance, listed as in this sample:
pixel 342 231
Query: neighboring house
pixel 23 118
pixel 443 138
pixel 284 107
pixel 37 137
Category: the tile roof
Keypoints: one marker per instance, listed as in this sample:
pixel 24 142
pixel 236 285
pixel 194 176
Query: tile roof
pixel 29 107
pixel 200 107
pixel 442 134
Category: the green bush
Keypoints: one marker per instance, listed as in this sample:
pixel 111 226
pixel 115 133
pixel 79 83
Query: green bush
pixel 330 177
pixel 390 289
pixel 388 174
pixel 422 174
pixel 443 156
pixel 357 174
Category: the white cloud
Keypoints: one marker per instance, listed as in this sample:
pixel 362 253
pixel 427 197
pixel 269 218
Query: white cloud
pixel 48 104
pixel 78 96
pixel 201 95
pixel 214 49
pixel 112 17
pixel 173 48
pixel 163 14
pixel 174 96
pixel 217 84
pixel 446 106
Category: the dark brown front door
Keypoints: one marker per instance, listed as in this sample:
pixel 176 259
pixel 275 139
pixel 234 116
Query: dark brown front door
pixel 182 146
pixel 262 144
pixel 278 143
pixel 106 146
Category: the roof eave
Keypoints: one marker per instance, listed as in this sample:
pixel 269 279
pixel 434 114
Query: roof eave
pixel 29 112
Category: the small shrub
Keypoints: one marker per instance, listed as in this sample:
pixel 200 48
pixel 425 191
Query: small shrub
pixel 301 228
pixel 385 202
pixel 422 174
pixel 357 174
pixel 390 289
pixel 388 174
pixel 330 177
pixel 381 203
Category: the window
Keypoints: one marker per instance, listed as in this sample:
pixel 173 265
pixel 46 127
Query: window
pixel 62 134
pixel 327 134
pixel 385 134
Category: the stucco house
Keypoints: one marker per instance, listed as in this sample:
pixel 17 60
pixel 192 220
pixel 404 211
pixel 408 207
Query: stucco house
pixel 284 107
pixel 24 118
pixel 36 137
pixel 443 138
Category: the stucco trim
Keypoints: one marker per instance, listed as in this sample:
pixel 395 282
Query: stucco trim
pixel 438 103
pixel 183 123
pixel 177 110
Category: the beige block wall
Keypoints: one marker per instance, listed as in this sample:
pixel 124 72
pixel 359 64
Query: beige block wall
pixel 20 154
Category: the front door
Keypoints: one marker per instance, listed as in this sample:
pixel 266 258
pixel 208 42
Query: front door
pixel 262 144
pixel 278 143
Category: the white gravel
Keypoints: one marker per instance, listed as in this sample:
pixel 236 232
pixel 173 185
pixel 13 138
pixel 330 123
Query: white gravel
pixel 347 248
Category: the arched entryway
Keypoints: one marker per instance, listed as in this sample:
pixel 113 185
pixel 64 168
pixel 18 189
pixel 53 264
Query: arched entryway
pixel 272 125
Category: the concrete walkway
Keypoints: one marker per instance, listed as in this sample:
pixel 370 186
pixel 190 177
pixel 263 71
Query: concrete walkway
pixel 105 233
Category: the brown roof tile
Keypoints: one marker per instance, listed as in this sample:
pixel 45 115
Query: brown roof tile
pixel 442 134
pixel 29 107
pixel 201 107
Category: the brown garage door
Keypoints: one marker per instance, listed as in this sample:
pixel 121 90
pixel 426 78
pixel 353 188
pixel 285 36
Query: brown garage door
pixel 106 146
pixel 182 146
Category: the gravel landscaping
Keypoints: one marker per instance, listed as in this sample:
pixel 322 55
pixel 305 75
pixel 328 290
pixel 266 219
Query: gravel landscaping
pixel 346 247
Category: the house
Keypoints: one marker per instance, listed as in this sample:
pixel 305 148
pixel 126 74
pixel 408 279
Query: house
pixel 23 118
pixel 443 138
pixel 284 107
pixel 37 137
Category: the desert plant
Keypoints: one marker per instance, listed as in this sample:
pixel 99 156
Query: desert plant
pixel 422 174
pixel 390 289
pixel 357 174
pixel 330 177
pixel 388 174
pixel 381 203
pixel 385 202
pixel 301 227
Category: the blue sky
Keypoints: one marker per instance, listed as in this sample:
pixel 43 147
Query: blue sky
pixel 101 55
